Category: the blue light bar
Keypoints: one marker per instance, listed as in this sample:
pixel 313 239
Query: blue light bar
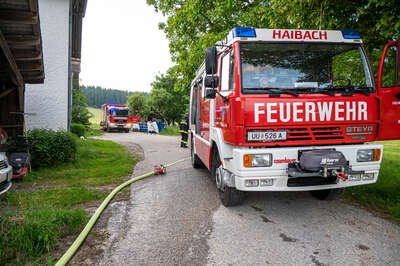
pixel 351 34
pixel 243 32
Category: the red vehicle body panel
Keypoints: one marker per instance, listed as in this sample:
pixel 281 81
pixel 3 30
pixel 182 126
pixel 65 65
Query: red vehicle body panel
pixel 390 97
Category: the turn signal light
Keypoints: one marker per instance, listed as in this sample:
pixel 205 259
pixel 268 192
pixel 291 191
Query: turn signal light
pixel 247 160
pixel 377 154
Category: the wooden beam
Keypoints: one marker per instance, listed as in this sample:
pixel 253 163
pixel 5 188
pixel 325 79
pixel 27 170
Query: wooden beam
pixel 16 74
pixel 21 55
pixel 11 61
pixel 18 17
pixel 28 67
pixel 22 41
pixel 5 93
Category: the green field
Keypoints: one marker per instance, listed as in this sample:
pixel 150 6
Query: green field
pixel 384 196
pixel 96 118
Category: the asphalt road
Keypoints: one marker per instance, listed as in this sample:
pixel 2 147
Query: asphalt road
pixel 177 219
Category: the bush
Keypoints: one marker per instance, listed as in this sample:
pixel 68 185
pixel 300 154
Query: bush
pixel 49 148
pixel 78 129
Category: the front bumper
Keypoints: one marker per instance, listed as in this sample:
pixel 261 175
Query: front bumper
pixel 120 126
pixel 5 179
pixel 278 171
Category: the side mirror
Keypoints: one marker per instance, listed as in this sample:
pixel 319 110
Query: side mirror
pixel 210 93
pixel 211 82
pixel 211 60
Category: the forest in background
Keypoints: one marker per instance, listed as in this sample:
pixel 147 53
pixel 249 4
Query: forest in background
pixel 96 95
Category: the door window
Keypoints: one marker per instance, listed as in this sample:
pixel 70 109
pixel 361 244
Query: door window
pixel 390 71
pixel 227 72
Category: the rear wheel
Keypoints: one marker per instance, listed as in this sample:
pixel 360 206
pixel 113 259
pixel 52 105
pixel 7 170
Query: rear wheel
pixel 229 196
pixel 196 162
pixel 327 194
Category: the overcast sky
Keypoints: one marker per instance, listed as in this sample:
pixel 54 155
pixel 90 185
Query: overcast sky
pixel 122 47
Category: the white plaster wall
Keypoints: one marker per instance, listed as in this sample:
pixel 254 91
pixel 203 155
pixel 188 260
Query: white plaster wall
pixel 49 101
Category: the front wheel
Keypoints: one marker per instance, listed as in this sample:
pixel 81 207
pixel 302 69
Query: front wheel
pixel 229 196
pixel 327 194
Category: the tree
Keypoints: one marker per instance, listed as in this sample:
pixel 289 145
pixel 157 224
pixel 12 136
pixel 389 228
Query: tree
pixel 164 101
pixel 80 113
pixel 193 25
pixel 136 101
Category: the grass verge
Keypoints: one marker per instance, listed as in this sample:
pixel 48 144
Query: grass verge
pixel 93 131
pixel 383 196
pixel 48 205
pixel 172 130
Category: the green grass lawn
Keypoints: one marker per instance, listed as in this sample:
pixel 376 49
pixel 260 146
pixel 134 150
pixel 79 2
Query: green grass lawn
pixel 47 205
pixel 96 118
pixel 383 196
pixel 172 130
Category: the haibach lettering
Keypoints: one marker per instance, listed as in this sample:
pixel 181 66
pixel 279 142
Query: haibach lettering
pixel 299 35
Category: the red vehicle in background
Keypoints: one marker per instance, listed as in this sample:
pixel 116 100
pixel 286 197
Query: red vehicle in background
pixel 117 117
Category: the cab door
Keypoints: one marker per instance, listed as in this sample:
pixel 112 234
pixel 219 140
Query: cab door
pixel 389 92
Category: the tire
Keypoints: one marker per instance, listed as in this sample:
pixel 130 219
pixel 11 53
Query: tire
pixel 229 196
pixel 196 162
pixel 108 129
pixel 126 130
pixel 327 194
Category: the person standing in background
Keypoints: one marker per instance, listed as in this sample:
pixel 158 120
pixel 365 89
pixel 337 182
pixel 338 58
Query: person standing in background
pixel 183 129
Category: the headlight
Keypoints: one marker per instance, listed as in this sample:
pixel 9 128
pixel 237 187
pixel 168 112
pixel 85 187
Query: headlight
pixel 257 160
pixel 368 155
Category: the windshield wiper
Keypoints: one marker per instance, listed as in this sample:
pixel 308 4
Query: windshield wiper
pixel 350 90
pixel 325 91
pixel 277 92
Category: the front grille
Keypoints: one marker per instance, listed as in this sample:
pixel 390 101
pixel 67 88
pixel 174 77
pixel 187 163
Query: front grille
pixel 313 133
pixel 120 120
pixel 4 185
pixel 3 164
pixel 309 181
pixel 298 133
pixel 321 133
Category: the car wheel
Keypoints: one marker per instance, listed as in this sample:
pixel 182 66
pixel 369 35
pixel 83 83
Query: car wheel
pixel 229 196
pixel 327 194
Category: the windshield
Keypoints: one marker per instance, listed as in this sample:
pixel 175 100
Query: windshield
pixel 303 67
pixel 119 112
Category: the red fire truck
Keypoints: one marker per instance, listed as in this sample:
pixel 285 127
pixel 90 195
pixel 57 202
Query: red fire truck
pixel 117 117
pixel 292 110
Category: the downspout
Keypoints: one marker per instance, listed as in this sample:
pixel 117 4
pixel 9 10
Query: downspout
pixel 70 84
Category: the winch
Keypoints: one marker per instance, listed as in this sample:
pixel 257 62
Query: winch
pixel 324 163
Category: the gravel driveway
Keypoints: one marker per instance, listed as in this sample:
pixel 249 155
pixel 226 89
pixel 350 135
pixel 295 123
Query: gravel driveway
pixel 178 219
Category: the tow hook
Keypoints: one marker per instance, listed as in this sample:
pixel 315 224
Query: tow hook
pixel 341 175
pixel 160 170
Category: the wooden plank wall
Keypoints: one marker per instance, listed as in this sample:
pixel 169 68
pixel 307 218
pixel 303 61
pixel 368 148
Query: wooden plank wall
pixel 12 123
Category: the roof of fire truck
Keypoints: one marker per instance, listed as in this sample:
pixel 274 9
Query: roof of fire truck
pixel 248 34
